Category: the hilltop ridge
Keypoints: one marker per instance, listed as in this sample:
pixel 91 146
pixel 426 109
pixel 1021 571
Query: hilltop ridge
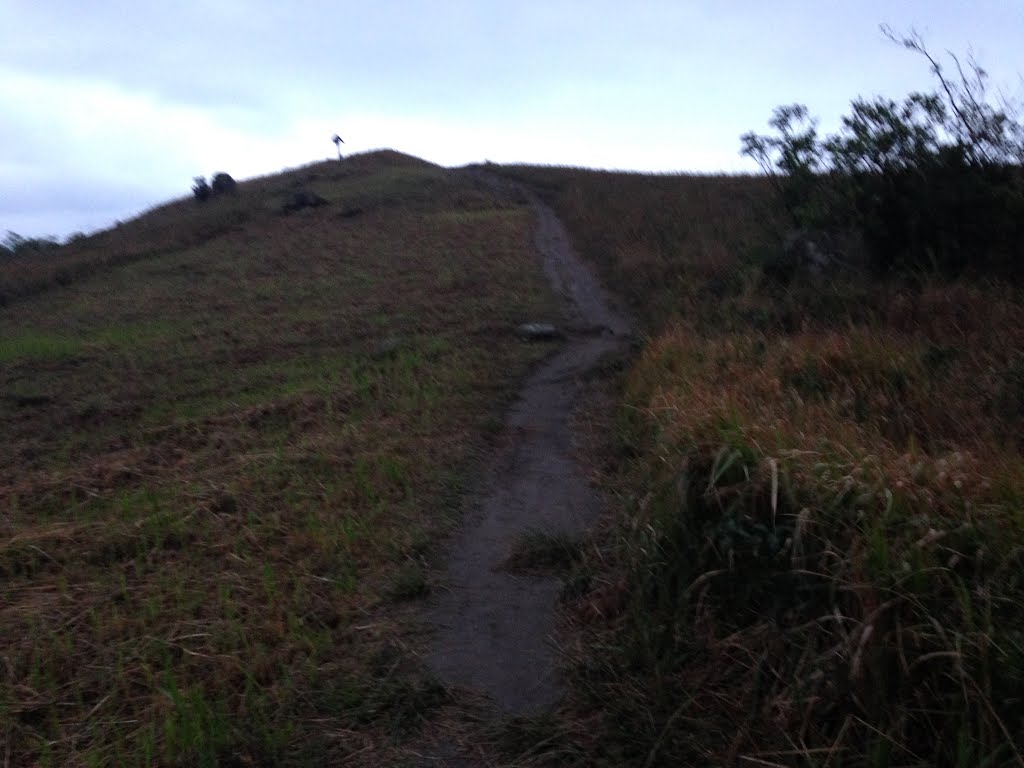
pixel 183 222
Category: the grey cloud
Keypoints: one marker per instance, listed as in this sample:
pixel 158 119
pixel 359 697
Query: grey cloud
pixel 456 53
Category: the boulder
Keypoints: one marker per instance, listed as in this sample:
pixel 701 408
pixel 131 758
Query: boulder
pixel 223 184
pixel 809 250
pixel 805 253
pixel 302 198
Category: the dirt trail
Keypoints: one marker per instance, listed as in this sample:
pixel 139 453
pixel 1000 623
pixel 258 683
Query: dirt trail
pixel 492 628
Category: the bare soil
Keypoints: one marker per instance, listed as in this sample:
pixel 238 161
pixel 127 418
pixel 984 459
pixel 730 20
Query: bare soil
pixel 492 628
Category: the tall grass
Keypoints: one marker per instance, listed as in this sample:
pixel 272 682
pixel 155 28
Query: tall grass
pixel 817 556
pixel 34 346
pixel 848 581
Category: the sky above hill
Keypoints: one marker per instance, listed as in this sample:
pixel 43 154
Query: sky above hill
pixel 108 108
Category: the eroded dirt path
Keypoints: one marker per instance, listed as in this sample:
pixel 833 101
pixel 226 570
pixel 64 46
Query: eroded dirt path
pixel 492 628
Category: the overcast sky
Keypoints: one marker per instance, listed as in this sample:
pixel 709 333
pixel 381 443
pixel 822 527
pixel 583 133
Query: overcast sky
pixel 107 108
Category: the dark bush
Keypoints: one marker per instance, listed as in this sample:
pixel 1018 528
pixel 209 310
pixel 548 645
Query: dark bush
pixel 201 189
pixel 934 182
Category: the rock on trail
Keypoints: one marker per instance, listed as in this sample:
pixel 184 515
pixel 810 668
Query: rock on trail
pixel 492 629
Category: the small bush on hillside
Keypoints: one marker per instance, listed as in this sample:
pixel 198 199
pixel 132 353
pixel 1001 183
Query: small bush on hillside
pixel 931 182
pixel 201 189
pixel 220 184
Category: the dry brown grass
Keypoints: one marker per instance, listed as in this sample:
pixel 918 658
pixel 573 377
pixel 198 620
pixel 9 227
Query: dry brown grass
pixel 658 239
pixel 822 487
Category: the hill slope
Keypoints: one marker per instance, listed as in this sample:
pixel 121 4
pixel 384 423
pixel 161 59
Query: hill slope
pixel 235 434
pixel 230 435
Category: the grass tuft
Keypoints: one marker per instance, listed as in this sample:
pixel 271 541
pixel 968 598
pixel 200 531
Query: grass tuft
pixel 542 552
pixel 410 583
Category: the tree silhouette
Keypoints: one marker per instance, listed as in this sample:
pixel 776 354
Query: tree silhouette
pixel 338 141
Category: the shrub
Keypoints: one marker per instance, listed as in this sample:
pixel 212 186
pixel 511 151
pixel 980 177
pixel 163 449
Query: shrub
pixel 201 189
pixel 931 182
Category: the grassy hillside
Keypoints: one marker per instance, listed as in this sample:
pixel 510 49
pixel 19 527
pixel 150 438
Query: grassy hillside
pixel 232 437
pixel 662 241
pixel 817 553
pixel 229 437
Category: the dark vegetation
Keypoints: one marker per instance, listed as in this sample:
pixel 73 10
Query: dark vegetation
pixel 219 184
pixel 201 189
pixel 932 183
pixel 817 559
pixel 229 438
pixel 16 246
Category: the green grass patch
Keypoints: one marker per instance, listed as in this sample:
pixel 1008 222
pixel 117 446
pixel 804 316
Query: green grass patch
pixel 36 347
pixel 139 335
